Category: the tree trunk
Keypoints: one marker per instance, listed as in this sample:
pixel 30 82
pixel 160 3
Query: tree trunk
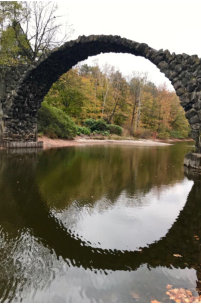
pixel 138 112
pixel 104 99
pixel 113 112
pixel 133 116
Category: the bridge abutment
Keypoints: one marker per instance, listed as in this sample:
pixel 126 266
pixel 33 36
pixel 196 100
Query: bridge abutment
pixel 20 133
pixel 18 129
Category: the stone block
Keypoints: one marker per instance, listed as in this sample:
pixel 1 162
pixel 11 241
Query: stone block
pixel 194 120
pixel 193 160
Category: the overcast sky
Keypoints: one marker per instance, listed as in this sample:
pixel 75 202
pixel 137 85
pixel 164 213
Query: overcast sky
pixel 166 24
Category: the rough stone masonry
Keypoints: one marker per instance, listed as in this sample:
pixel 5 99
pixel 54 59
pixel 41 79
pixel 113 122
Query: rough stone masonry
pixel 22 89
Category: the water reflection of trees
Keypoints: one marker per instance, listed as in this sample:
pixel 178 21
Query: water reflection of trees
pixel 24 213
pixel 88 174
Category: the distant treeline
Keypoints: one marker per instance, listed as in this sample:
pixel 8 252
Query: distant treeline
pixel 88 100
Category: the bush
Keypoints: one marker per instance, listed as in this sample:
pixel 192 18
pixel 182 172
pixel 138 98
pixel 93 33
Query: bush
pixel 104 133
pixel 164 135
pixel 100 125
pixel 115 129
pixel 89 122
pixel 96 125
pixel 83 130
pixel 178 134
pixel 55 123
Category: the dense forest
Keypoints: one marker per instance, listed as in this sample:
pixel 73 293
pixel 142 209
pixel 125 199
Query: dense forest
pixel 95 101
pixel 88 100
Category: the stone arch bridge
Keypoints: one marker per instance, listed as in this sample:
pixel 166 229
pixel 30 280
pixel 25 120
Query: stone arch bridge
pixel 22 91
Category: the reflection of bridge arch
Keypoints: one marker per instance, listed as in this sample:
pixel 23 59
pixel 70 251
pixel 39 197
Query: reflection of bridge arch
pixel 20 107
pixel 179 239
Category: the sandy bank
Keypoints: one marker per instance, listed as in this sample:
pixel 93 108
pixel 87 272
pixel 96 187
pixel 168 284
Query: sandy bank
pixel 56 143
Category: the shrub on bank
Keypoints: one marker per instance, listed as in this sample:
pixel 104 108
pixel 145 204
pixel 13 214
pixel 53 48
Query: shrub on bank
pixel 96 124
pixel 178 134
pixel 115 129
pixel 100 125
pixel 83 130
pixel 55 123
pixel 163 135
pixel 89 123
pixel 104 133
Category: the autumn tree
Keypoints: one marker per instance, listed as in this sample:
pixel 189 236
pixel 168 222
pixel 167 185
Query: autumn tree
pixel 136 88
pixel 119 92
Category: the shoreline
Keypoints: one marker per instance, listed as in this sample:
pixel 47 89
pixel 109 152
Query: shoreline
pixel 49 143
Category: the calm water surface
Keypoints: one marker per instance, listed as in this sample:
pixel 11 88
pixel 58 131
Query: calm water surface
pixel 98 224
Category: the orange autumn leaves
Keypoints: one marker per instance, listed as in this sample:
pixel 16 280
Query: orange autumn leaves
pixel 180 295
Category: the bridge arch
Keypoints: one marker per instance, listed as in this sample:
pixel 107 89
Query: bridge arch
pixel 22 104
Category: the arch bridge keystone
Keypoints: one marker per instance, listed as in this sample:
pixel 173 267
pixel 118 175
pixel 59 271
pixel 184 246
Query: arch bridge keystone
pixel 22 92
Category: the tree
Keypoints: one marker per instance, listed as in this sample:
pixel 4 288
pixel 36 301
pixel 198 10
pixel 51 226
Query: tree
pixel 67 94
pixel 13 41
pixel 10 11
pixel 119 92
pixel 30 30
pixel 136 84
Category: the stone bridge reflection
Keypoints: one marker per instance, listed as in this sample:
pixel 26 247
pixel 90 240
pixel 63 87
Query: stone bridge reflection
pixel 182 239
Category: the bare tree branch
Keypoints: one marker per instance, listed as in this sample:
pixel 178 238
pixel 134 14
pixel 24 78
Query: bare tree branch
pixel 38 23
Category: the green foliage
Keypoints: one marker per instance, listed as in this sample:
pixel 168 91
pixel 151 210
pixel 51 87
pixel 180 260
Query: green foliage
pixel 89 122
pixel 179 134
pixel 98 132
pixel 15 46
pixel 14 51
pixel 115 129
pixel 164 135
pixel 96 125
pixel 55 123
pixel 28 31
pixel 67 94
pixel 83 130
pixel 99 126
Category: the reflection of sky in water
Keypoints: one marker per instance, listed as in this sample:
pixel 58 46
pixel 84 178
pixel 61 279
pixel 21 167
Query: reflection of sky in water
pixel 44 277
pixel 72 284
pixel 129 223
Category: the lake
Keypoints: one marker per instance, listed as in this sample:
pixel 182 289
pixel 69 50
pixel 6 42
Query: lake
pixel 108 223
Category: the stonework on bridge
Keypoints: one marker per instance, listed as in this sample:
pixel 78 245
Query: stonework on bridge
pixel 22 89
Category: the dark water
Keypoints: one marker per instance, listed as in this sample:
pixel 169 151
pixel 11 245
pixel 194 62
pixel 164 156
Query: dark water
pixel 98 224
